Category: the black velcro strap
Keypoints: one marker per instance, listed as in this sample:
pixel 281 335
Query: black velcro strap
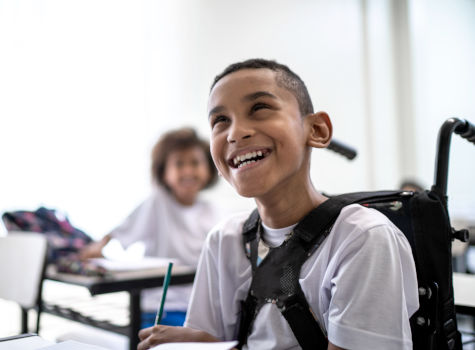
pixel 249 228
pixel 320 218
pixel 303 324
pixel 248 310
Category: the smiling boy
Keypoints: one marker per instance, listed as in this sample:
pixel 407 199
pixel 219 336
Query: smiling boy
pixel 359 286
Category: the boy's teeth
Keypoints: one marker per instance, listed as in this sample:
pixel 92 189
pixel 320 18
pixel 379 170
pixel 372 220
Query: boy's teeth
pixel 246 163
pixel 246 158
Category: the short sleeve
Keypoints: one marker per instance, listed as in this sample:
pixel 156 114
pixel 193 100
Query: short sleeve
pixel 139 225
pixel 373 292
pixel 204 310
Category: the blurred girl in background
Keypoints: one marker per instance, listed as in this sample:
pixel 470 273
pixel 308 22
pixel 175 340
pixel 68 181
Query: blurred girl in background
pixel 173 221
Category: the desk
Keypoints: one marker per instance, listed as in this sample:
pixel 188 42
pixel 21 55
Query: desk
pixel 464 293
pixel 131 282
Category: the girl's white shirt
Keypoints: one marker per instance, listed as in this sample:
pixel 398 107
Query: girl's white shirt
pixel 169 230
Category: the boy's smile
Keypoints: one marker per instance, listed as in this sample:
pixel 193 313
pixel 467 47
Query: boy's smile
pixel 258 140
pixel 246 158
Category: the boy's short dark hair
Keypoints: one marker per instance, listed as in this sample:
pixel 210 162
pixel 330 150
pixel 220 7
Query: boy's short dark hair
pixel 285 78
pixel 178 140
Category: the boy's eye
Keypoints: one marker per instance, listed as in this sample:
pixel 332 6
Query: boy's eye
pixel 218 119
pixel 257 106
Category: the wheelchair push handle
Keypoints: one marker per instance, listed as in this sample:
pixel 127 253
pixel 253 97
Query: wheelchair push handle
pixel 466 130
pixel 342 149
pixel 460 127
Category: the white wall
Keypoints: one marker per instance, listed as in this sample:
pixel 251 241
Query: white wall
pixel 72 108
pixel 443 46
pixel 86 87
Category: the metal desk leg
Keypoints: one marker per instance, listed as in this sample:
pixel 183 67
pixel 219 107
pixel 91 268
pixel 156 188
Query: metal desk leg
pixel 24 320
pixel 135 318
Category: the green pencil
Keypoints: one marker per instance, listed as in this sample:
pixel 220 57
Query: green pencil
pixel 158 318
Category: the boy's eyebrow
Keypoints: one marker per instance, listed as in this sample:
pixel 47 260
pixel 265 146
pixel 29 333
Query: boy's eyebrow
pixel 250 97
pixel 257 94
pixel 215 110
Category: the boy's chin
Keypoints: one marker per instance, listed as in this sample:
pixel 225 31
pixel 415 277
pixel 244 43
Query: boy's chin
pixel 248 192
pixel 246 195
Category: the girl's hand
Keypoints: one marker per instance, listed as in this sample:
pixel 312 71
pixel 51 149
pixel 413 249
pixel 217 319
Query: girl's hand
pixel 94 249
pixel 160 334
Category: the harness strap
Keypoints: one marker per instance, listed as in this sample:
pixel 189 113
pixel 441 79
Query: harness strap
pixel 302 321
pixel 266 285
pixel 248 313
pixel 267 278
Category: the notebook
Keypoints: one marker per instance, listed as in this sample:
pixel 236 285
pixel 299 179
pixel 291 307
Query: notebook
pixel 24 342
pixel 197 346
pixel 35 342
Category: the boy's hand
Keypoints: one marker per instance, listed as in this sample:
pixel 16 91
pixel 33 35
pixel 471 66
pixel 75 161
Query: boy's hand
pixel 333 347
pixel 160 334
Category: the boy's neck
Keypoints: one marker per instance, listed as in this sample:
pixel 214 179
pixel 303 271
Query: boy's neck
pixel 282 211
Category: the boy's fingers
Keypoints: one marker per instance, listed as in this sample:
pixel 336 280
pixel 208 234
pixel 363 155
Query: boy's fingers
pixel 144 333
pixel 143 345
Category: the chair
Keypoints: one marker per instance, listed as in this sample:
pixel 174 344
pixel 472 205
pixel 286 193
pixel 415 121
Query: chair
pixel 22 266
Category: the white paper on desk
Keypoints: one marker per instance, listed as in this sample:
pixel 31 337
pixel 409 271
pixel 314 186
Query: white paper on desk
pixel 131 265
pixel 197 346
pixel 26 343
pixel 72 345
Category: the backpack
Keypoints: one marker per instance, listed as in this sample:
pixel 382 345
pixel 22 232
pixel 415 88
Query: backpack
pixel 423 218
pixel 63 238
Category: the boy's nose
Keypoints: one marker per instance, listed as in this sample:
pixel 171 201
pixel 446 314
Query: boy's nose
pixel 239 131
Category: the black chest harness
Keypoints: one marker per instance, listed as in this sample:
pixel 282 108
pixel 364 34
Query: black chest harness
pixel 276 279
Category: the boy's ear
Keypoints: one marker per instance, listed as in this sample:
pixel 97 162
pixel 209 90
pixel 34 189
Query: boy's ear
pixel 320 129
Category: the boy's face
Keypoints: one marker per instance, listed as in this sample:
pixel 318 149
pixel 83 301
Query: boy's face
pixel 259 138
pixel 186 173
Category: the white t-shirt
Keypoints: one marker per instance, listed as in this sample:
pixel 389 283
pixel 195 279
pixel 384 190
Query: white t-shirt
pixel 360 283
pixel 169 230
